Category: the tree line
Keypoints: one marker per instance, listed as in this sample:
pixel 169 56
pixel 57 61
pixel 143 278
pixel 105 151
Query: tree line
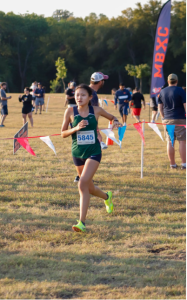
pixel 30 45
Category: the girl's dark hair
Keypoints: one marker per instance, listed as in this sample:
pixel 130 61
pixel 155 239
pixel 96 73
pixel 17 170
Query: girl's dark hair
pixel 85 87
pixel 28 89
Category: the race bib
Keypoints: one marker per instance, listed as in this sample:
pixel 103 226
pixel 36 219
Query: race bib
pixel 85 137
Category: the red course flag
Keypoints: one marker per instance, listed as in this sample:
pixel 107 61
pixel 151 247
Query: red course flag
pixel 25 144
pixel 139 128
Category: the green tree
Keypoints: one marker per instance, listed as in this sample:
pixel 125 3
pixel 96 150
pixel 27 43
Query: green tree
pixel 60 14
pixel 22 37
pixel 140 71
pixel 184 68
pixel 61 70
pixel 54 85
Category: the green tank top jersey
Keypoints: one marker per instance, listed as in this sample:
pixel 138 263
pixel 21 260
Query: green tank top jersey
pixel 85 142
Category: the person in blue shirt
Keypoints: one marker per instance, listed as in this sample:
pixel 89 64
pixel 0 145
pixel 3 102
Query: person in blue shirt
pixel 123 97
pixel 40 97
pixel 172 107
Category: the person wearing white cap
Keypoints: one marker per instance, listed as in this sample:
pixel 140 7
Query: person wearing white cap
pixel 97 81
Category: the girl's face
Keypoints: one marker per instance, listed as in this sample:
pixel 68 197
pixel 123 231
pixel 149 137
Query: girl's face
pixel 26 91
pixel 82 97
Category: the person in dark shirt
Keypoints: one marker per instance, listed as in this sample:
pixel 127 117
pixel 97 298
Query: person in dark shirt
pixel 172 107
pixel 4 98
pixel 96 82
pixel 123 97
pixel 27 99
pixel 70 95
pixel 154 106
pixel 40 97
pixel 136 104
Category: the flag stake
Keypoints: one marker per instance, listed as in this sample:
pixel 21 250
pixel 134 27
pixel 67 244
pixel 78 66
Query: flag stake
pixel 142 149
pixel 47 104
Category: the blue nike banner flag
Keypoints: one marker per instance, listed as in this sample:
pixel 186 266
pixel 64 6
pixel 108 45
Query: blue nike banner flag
pixel 160 48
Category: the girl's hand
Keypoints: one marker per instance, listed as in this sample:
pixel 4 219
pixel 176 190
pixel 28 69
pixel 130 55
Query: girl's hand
pixel 116 124
pixel 19 96
pixel 81 125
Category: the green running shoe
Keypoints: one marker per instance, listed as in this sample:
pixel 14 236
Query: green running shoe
pixel 108 203
pixel 79 227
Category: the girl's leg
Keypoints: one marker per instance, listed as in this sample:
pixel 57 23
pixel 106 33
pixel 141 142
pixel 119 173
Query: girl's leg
pixel 24 118
pixel 95 191
pixel 30 118
pixel 86 186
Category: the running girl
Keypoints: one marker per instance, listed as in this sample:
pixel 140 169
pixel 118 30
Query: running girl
pixel 86 150
pixel 27 105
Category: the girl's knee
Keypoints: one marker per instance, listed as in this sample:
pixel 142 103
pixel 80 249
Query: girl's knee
pixel 83 183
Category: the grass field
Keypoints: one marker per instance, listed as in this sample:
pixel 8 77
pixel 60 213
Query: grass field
pixel 138 252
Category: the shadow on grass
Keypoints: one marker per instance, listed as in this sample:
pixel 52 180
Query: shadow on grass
pixel 55 229
pixel 92 269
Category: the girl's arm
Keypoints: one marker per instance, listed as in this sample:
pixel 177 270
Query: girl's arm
pixel 101 112
pixel 65 132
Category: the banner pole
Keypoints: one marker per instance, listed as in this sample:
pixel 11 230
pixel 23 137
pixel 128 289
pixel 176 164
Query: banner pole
pixel 47 104
pixel 142 149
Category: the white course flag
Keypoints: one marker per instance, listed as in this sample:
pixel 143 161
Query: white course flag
pixel 110 134
pixel 47 140
pixel 155 128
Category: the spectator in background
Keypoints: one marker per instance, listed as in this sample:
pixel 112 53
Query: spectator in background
pixel 122 96
pixel 66 99
pixel 70 95
pixel 154 106
pixel 27 99
pixel 4 106
pixel 136 104
pixel 40 96
pixel 113 91
pixel 33 87
pixel 172 107
pixel 97 81
pixel 184 88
